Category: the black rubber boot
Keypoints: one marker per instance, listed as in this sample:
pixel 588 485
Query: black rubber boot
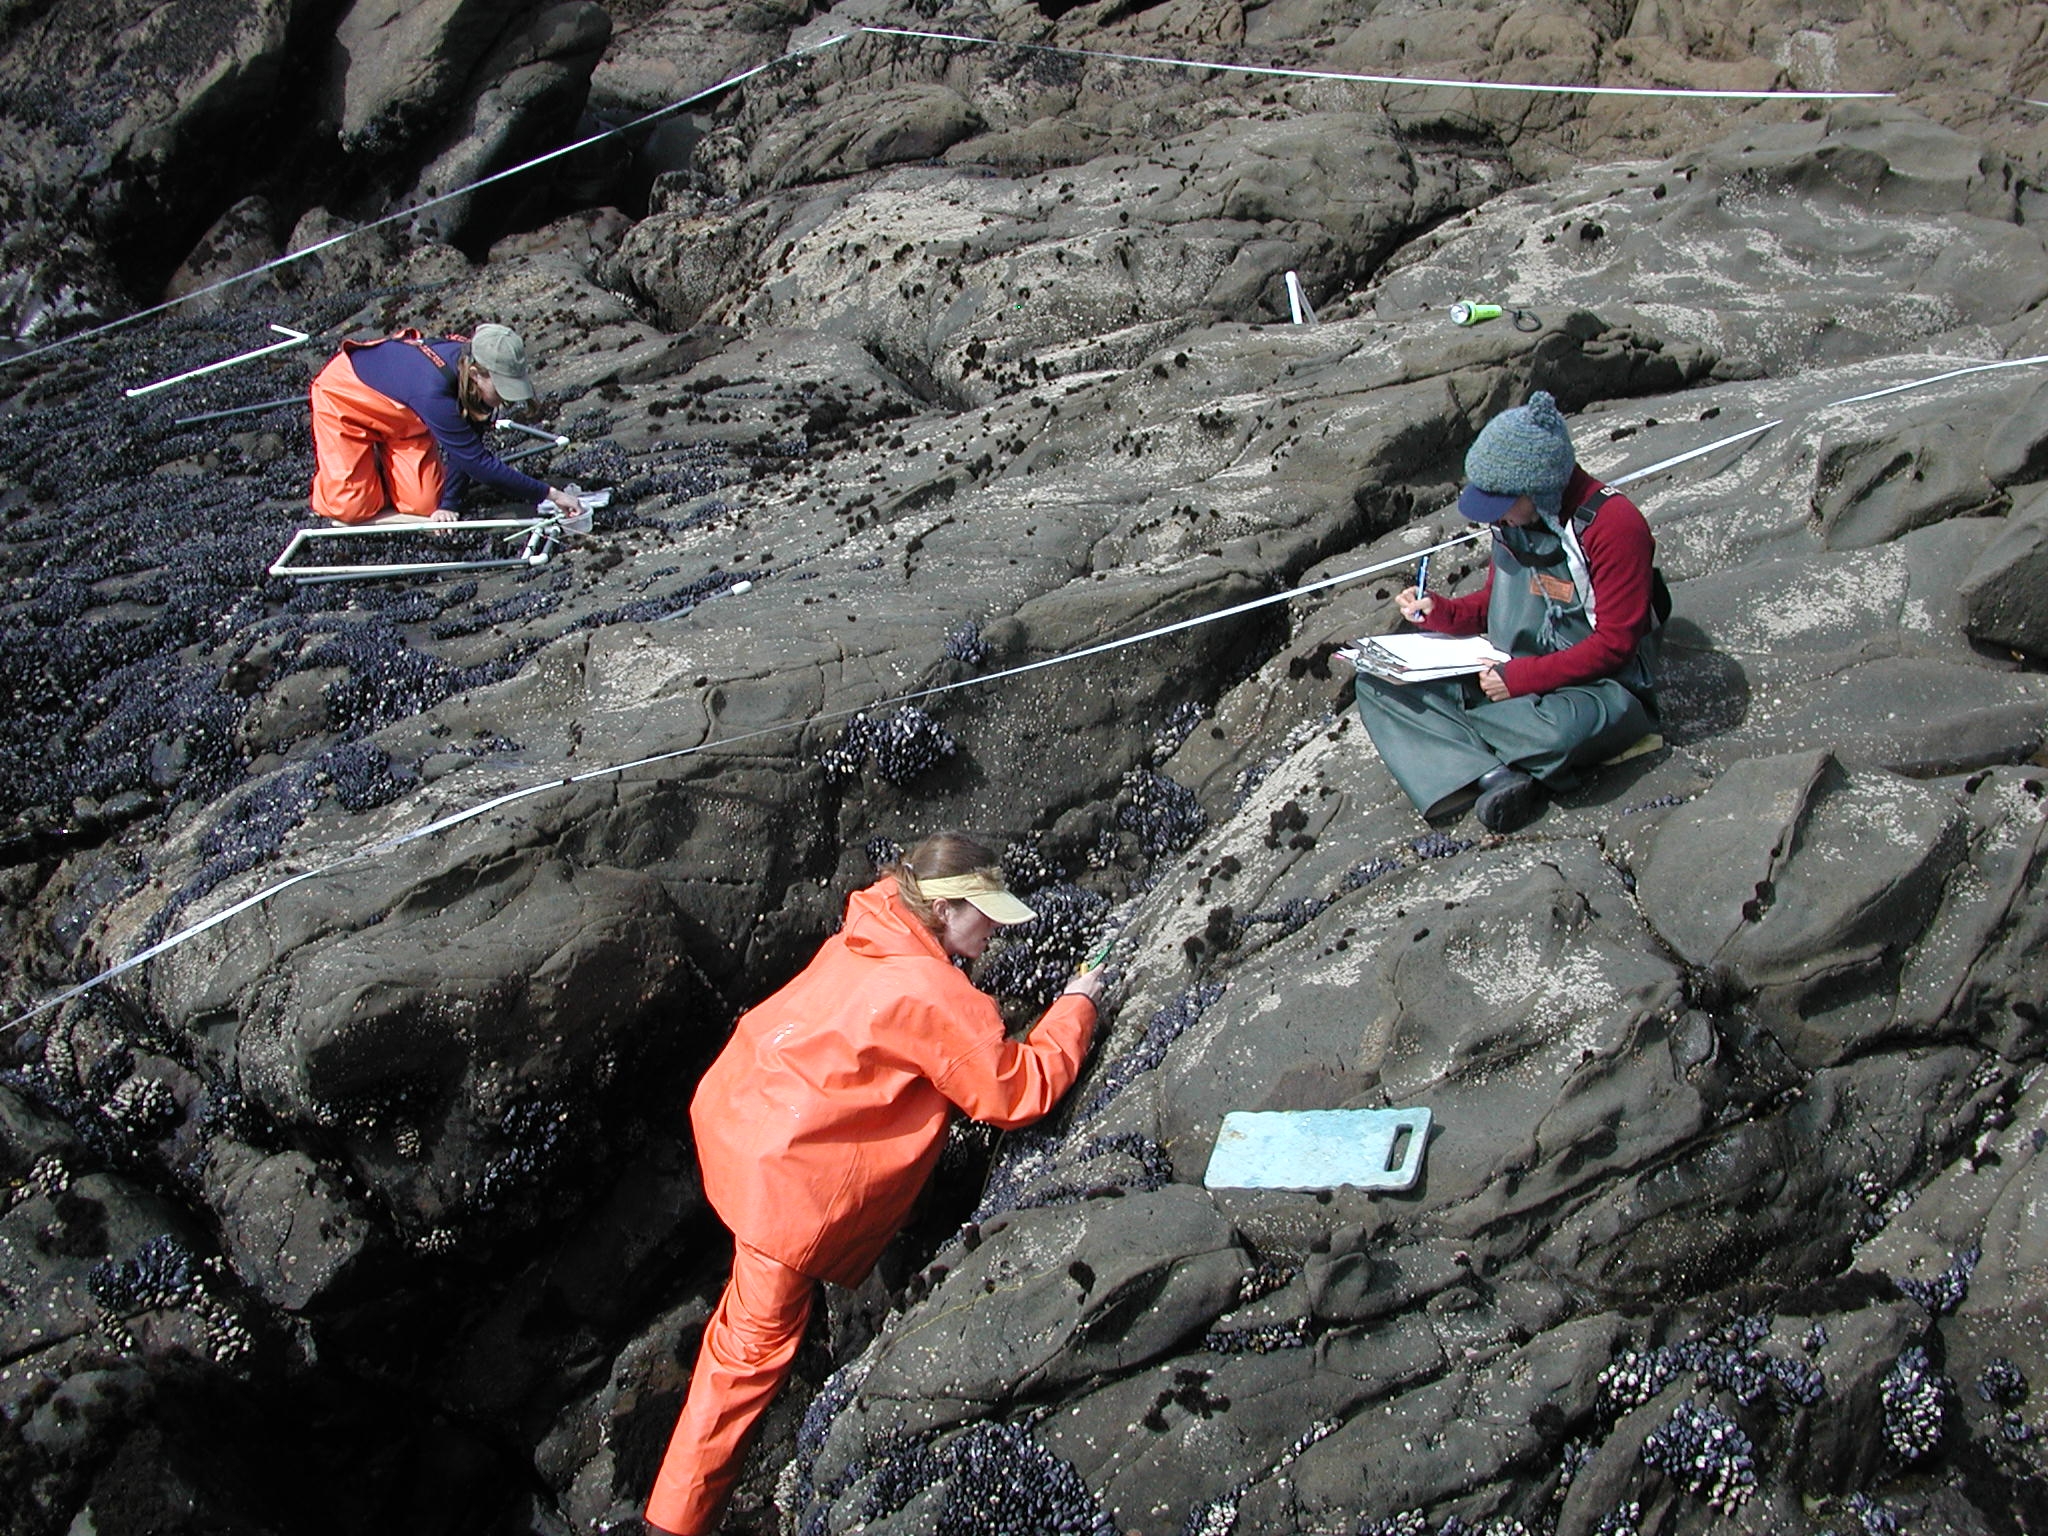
pixel 1508 799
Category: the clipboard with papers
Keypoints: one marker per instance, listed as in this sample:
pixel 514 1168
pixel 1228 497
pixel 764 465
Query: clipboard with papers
pixel 1422 658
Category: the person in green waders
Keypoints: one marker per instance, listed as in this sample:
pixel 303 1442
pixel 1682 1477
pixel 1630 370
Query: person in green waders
pixel 1569 597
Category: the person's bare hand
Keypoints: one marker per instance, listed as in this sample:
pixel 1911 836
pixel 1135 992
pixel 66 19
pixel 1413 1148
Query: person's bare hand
pixel 1086 984
pixel 565 502
pixel 1492 685
pixel 1414 605
pixel 443 515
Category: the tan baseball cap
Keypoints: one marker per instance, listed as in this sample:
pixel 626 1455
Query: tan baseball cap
pixel 498 350
pixel 981 889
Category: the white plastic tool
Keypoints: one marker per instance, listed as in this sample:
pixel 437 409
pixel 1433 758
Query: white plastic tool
pixel 1319 1149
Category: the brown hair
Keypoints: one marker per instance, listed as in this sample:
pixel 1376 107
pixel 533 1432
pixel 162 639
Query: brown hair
pixel 938 856
pixel 467 398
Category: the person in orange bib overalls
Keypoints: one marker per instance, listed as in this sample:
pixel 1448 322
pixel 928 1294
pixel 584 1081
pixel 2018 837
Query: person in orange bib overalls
pixel 396 426
pixel 824 1115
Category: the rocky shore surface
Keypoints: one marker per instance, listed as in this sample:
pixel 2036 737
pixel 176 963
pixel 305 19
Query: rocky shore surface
pixel 367 1201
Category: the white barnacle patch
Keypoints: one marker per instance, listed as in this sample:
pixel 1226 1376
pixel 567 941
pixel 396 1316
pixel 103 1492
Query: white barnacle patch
pixel 2019 811
pixel 1346 968
pixel 1518 973
pixel 1870 810
pixel 621 677
pixel 1557 997
pixel 1835 599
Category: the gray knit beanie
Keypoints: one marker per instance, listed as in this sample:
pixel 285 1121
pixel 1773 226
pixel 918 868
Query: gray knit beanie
pixel 1524 451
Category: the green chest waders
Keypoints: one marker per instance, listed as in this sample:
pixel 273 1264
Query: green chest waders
pixel 1438 738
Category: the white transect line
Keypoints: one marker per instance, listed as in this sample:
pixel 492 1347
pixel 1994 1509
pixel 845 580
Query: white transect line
pixel 470 813
pixel 1692 453
pixel 164 945
pixel 421 207
pixel 1422 81
pixel 298 339
pixel 1274 70
pixel 1941 378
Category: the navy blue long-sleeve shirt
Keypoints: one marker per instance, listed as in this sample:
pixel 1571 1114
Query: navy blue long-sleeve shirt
pixel 399 371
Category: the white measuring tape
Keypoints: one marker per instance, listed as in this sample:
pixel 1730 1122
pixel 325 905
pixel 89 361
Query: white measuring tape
pixel 1953 373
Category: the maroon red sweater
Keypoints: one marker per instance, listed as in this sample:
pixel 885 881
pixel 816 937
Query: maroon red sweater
pixel 1619 552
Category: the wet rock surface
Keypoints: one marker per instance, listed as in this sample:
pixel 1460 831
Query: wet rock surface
pixel 371 1203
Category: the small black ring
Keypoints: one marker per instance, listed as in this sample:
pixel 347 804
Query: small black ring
pixel 1535 320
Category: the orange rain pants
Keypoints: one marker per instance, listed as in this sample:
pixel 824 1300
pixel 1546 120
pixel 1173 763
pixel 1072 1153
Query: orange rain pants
pixel 370 454
pixel 816 1129
pixel 749 1345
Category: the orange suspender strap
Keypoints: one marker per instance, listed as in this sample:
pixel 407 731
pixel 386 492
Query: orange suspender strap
pixel 415 338
pixel 409 335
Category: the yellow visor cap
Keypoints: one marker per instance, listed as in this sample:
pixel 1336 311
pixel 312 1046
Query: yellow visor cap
pixel 984 891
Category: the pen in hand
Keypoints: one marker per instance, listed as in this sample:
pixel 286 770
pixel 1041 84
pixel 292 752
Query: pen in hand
pixel 1415 604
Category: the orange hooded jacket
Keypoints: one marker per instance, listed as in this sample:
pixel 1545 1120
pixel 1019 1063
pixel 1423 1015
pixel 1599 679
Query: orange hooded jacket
pixel 821 1120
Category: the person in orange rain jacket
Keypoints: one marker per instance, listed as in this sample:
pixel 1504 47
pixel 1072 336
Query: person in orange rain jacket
pixel 396 426
pixel 821 1120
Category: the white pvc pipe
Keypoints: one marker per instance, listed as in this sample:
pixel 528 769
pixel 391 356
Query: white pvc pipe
pixel 507 423
pixel 1297 301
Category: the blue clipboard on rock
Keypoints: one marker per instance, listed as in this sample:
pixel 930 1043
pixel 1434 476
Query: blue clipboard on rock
pixel 1319 1149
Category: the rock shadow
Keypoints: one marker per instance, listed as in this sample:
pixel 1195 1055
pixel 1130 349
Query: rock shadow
pixel 1702 692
